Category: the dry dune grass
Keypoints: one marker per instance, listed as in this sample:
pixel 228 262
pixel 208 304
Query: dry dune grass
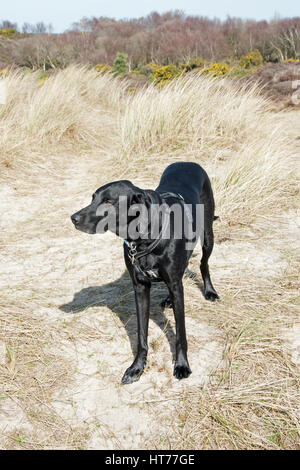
pixel 253 401
pixel 62 138
pixel 73 108
pixel 200 118
pixel 194 113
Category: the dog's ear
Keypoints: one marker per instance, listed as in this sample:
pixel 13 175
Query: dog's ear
pixel 140 198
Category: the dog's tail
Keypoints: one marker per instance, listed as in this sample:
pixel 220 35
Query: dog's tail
pixel 216 217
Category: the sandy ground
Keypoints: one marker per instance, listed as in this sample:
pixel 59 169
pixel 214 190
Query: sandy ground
pixel 78 286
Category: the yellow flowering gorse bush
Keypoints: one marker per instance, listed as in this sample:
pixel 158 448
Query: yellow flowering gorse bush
pixel 103 68
pixel 253 58
pixel 162 75
pixel 8 33
pixel 217 69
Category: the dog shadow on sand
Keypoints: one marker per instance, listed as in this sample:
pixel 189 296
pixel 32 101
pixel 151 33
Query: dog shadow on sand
pixel 118 296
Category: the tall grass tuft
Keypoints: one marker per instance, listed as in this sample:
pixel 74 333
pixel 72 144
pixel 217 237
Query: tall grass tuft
pixel 74 106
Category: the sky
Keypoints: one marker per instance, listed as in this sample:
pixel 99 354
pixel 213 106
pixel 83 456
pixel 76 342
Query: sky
pixel 62 13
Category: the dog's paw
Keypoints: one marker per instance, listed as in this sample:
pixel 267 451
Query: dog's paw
pixel 132 374
pixel 166 303
pixel 181 371
pixel 211 295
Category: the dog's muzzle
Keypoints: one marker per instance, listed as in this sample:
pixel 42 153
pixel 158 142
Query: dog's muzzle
pixel 75 219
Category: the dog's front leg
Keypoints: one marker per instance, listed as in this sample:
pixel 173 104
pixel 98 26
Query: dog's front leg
pixel 142 299
pixel 181 367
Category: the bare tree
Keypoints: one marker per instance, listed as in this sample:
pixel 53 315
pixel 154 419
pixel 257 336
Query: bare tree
pixel 38 28
pixel 6 24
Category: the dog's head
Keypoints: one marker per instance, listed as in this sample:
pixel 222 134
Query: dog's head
pixel 110 209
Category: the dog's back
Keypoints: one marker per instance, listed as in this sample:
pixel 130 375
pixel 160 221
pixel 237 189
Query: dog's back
pixel 186 178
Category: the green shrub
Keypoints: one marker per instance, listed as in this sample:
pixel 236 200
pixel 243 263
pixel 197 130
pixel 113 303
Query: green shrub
pixel 121 65
pixel 251 59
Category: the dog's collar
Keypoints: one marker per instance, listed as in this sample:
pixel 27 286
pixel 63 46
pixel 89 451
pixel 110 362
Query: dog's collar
pixel 170 194
pixel 135 255
pixel 132 252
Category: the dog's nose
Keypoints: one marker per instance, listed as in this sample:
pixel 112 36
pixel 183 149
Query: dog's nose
pixel 75 218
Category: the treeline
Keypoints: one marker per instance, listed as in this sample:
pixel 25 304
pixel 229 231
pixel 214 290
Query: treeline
pixel 172 37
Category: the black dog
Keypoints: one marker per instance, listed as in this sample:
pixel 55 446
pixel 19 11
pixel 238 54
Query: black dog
pixel 159 259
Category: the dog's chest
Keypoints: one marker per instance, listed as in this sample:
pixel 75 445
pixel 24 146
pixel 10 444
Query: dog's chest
pixel 148 267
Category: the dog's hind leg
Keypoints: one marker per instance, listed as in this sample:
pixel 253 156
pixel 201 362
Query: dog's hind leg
pixel 181 368
pixel 209 291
